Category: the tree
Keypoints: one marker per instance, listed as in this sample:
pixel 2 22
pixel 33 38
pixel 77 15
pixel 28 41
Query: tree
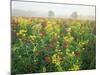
pixel 51 13
pixel 74 15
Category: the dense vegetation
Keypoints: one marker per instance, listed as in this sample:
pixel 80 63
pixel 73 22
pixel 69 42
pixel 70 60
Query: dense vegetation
pixel 52 44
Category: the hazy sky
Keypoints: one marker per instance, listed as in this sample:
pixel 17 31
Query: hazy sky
pixel 59 9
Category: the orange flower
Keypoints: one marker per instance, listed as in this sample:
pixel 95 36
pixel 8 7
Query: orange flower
pixel 77 53
pixel 64 44
pixel 42 33
pixel 47 58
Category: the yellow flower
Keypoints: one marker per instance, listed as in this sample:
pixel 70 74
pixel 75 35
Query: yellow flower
pixel 24 21
pixel 54 34
pixel 56 59
pixel 49 27
pixel 68 38
pixel 21 32
pixel 32 37
pixel 81 43
pixel 74 67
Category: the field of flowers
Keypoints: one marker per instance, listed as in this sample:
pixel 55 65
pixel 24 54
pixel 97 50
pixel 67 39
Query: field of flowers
pixel 52 45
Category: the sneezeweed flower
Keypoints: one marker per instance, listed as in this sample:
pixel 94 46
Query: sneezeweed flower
pixel 68 38
pixel 75 67
pixel 47 59
pixel 32 37
pixel 21 32
pixel 54 34
pixel 49 28
pixel 25 21
pixel 65 44
pixel 56 59
pixel 77 53
pixel 81 43
pixel 42 33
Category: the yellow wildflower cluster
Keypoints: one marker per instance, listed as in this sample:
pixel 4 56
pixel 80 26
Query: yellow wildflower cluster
pixel 56 59
pixel 32 37
pixel 24 21
pixel 81 43
pixel 49 27
pixel 75 67
pixel 51 24
pixel 22 32
pixel 68 38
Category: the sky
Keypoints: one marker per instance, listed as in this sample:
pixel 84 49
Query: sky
pixel 58 9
